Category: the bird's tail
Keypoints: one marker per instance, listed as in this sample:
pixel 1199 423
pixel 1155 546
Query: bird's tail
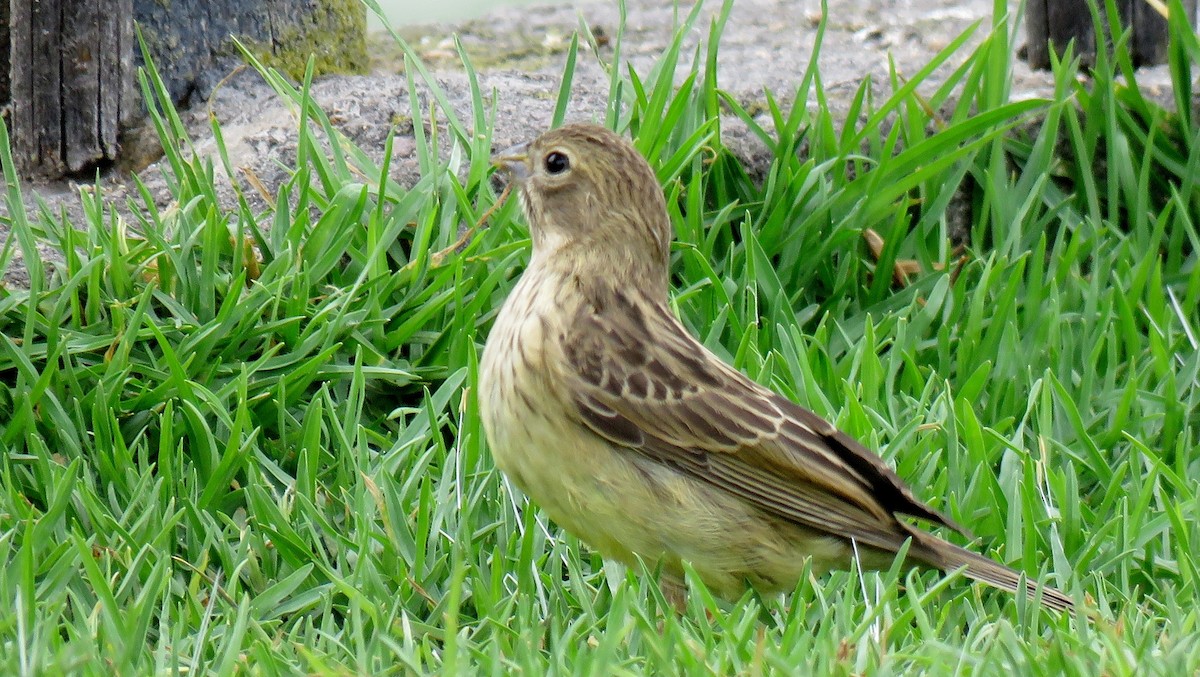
pixel 949 557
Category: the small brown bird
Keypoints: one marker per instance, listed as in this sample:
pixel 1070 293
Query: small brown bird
pixel 630 434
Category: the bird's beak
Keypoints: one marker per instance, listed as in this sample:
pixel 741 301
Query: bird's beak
pixel 514 162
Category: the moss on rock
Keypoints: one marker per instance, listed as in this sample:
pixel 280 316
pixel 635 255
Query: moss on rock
pixel 333 34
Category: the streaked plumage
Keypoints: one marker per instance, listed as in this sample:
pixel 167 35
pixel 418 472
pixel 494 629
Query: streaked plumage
pixel 630 434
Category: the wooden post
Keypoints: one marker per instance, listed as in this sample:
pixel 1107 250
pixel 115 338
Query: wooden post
pixel 1151 36
pixel 5 52
pixel 70 67
pixel 72 63
pixel 1051 24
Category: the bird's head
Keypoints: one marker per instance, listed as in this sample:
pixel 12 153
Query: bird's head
pixel 588 193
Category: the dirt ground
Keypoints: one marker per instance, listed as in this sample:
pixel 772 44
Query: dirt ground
pixel 519 55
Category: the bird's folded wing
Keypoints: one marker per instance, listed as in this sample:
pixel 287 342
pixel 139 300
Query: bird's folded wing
pixel 642 382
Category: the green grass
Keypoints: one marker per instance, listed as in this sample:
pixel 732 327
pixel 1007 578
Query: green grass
pixel 239 440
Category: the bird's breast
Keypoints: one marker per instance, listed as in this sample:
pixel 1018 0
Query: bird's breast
pixel 519 374
pixel 532 428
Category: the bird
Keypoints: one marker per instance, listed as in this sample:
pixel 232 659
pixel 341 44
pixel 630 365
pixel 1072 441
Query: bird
pixel 600 406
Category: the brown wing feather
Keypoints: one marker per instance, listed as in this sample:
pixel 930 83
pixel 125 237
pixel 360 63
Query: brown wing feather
pixel 644 383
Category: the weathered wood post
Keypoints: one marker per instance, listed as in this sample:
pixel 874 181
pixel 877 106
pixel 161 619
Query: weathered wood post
pixel 69 75
pixel 1051 24
pixel 70 64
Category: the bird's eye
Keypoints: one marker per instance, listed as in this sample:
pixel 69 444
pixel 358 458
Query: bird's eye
pixel 557 163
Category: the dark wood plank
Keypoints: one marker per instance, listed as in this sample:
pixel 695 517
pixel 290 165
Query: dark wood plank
pixel 1052 24
pixel 79 100
pixel 1037 34
pixel 46 68
pixel 1151 35
pixel 1071 20
pixel 118 84
pixel 5 52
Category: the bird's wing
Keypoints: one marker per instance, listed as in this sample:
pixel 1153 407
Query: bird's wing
pixel 642 382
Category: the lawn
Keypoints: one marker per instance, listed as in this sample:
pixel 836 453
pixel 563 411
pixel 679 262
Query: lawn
pixel 248 440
